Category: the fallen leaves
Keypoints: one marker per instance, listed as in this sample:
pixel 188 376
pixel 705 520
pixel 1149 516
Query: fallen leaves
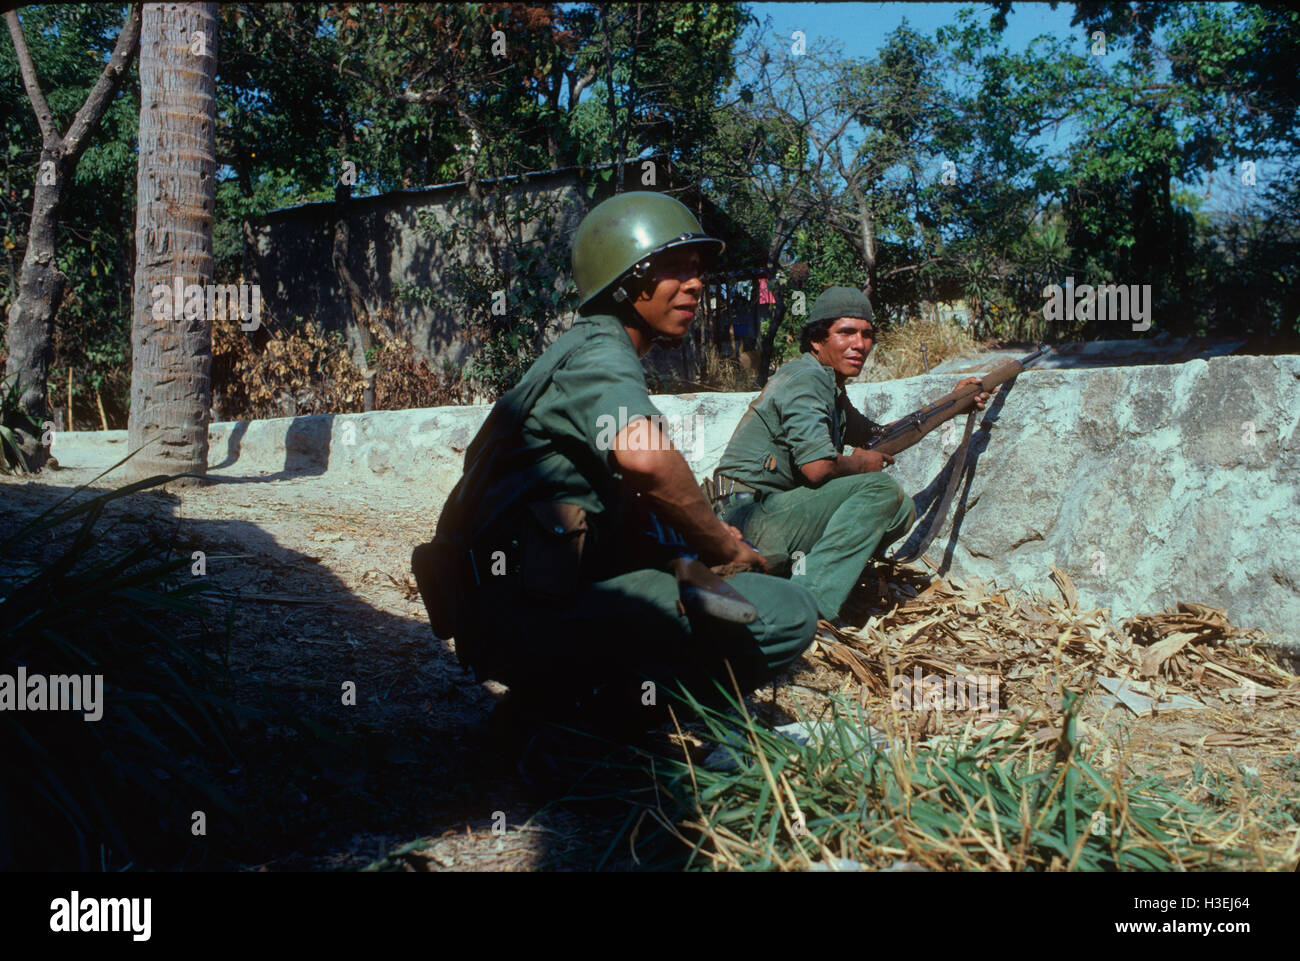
pixel 1066 585
pixel 1186 658
pixel 1160 652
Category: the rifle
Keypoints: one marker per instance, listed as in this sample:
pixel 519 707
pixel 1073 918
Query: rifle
pixel 910 428
pixel 700 590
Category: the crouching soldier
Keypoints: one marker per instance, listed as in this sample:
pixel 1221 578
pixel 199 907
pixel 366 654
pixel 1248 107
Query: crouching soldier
pixel 784 480
pixel 541 567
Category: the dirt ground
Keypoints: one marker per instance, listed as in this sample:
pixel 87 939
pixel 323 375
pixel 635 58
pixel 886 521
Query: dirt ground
pixel 320 576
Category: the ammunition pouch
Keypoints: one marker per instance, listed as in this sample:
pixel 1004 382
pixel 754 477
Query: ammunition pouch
pixel 709 490
pixel 439 571
pixel 552 538
pixel 536 552
pixel 725 493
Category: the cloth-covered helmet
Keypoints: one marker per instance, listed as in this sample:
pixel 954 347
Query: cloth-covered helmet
pixel 621 234
pixel 832 304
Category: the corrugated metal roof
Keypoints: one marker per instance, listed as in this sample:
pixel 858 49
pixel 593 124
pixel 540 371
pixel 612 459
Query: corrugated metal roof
pixel 416 193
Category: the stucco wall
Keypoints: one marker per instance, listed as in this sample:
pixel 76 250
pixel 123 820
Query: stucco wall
pixel 1146 484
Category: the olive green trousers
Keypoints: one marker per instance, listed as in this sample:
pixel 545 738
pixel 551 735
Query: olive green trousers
pixel 830 533
pixel 623 632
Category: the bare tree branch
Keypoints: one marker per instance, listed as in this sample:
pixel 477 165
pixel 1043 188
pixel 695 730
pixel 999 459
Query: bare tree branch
pixel 581 84
pixel 106 86
pixel 49 132
pixel 909 267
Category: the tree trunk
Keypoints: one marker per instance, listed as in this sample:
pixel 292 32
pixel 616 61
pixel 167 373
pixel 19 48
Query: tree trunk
pixel 358 332
pixel 171 372
pixel 40 291
pixel 868 246
pixel 41 284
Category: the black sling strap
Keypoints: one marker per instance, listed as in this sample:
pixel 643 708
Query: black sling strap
pixel 936 521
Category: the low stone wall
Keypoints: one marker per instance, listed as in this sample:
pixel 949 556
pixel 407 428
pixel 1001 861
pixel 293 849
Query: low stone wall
pixel 1146 484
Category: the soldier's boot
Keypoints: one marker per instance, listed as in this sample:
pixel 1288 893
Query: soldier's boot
pixel 514 720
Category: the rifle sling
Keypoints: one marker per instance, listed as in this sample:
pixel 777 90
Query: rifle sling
pixel 1013 369
pixel 936 522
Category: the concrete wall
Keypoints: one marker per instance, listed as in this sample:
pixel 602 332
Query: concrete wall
pixel 1147 484
pixel 291 257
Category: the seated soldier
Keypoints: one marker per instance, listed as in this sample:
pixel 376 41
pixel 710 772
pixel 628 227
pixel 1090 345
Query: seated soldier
pixel 559 593
pixel 784 479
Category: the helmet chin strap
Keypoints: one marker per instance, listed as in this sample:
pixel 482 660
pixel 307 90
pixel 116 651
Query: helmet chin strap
pixel 653 336
pixel 635 278
pixel 633 316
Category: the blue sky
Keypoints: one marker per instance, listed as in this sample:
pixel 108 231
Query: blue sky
pixel 858 30
pixel 860 27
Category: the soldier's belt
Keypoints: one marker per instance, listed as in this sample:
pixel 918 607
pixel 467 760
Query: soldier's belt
pixel 726 492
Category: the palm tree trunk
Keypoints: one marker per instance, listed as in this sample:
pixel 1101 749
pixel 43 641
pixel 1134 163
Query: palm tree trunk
pixel 171 372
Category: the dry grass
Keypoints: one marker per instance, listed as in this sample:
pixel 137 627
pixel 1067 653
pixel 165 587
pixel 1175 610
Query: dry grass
pixel 286 371
pixel 1057 777
pixel 723 373
pixel 898 352
pixel 714 371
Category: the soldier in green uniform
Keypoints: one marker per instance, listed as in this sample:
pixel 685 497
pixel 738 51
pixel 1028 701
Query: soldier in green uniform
pixel 784 480
pixel 557 594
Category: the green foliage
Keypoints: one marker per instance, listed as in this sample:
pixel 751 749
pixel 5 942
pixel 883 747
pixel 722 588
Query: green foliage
pixel 923 804
pixel 832 261
pixel 517 290
pixel 1234 795
pixel 658 70
pixel 13 419
pixel 415 94
pixel 420 94
pixel 69 44
pixel 1182 89
pixel 503 359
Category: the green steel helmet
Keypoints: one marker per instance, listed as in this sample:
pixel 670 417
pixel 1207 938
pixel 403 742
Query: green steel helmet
pixel 622 233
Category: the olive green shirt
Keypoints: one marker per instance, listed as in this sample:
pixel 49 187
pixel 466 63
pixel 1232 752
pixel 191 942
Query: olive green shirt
pixel 802 415
pixel 550 437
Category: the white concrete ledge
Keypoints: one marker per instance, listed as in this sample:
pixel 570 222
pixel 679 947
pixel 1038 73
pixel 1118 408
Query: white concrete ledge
pixel 1147 485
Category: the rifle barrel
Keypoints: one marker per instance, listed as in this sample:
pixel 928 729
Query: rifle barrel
pixel 1042 349
pixel 911 428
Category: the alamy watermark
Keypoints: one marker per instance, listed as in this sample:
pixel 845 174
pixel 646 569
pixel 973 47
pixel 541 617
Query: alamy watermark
pixel 181 301
pixel 75 914
pixel 1131 302
pixel 931 692
pixel 58 692
pixel 650 433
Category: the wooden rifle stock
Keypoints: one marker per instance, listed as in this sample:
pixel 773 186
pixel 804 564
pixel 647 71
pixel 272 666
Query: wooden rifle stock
pixel 701 590
pixel 906 431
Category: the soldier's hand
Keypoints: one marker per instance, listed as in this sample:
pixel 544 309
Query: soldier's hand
pixel 981 397
pixel 744 554
pixel 866 461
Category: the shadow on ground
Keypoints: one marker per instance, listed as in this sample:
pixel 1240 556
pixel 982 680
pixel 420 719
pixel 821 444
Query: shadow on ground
pixel 410 758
